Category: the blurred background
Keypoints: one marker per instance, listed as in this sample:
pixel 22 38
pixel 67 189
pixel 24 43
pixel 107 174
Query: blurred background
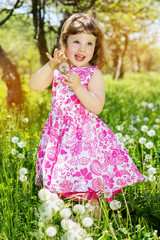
pixel 30 28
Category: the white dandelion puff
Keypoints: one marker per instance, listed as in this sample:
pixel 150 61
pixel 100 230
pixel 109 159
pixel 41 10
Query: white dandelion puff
pixel 67 224
pixel 155 126
pixel 51 231
pixel 23 178
pixel 157 120
pixel 21 144
pixel 149 145
pixel 63 67
pixel 87 222
pixel 148 157
pixel 114 205
pixel 151 178
pixel 20 155
pixel 23 171
pixel 65 213
pixel 25 120
pixel 14 139
pixel 44 194
pixel 79 209
pixel 152 171
pixel 146 119
pixel 151 133
pixel 144 128
pixel 142 140
pixel 14 151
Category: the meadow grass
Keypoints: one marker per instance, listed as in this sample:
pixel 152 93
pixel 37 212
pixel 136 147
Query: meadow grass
pixel 130 103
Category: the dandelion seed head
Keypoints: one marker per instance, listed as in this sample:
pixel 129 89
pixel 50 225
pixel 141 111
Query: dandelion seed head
pixel 142 140
pixel 23 178
pixel 67 224
pixel 149 145
pixel 23 171
pixel 65 213
pixel 25 120
pixel 79 209
pixel 152 171
pixel 114 205
pixel 146 119
pixel 151 178
pixel 45 217
pixel 20 155
pixel 14 151
pixel 157 120
pixel 44 194
pixel 151 133
pixel 51 231
pixel 144 128
pixel 155 126
pixel 148 157
pixel 87 222
pixel 53 197
pixel 14 139
pixel 21 144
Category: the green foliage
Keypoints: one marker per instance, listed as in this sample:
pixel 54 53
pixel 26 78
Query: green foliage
pixel 124 106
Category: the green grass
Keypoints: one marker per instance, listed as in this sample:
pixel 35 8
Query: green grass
pixel 139 214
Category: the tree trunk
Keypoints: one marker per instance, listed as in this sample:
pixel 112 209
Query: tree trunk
pixel 12 79
pixel 38 10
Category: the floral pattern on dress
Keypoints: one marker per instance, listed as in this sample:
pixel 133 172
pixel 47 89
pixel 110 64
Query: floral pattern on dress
pixel 78 153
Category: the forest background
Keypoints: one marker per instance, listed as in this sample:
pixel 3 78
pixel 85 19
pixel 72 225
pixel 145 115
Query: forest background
pixel 30 28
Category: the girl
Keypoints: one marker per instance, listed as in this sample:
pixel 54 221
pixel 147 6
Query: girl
pixel 78 154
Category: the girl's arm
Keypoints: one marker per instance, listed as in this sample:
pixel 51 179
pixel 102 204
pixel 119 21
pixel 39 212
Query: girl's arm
pixel 43 77
pixel 92 98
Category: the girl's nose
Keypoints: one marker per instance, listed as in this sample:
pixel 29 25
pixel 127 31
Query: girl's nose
pixel 82 47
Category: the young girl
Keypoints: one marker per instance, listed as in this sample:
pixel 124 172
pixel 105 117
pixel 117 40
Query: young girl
pixel 78 154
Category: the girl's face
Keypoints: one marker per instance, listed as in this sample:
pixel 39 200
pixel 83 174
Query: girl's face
pixel 80 49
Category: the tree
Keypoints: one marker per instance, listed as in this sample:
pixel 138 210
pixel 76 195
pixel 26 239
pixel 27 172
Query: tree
pixel 10 74
pixel 122 19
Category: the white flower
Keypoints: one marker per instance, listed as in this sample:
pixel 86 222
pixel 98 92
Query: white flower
pixel 150 105
pixel 152 171
pixel 23 171
pixel 157 120
pixel 20 155
pixel 87 222
pixel 127 137
pixel 146 119
pixel 145 178
pixel 142 140
pixel 118 135
pixel 155 126
pixel 50 206
pixel 51 231
pixel 15 140
pixel 65 213
pixel 144 104
pixel 149 145
pixel 14 151
pixel 82 232
pixel 107 194
pixel 67 224
pixel 88 238
pixel 119 127
pixel 44 194
pixel 46 216
pixel 53 197
pixel 151 178
pixel 151 133
pixel 63 67
pixel 23 178
pixel 59 203
pixel 148 157
pixel 21 144
pixel 79 209
pixel 131 140
pixel 25 120
pixel 138 120
pixel 144 128
pixel 114 205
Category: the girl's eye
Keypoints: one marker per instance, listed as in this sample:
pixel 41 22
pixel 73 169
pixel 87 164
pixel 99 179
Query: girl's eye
pixel 76 42
pixel 89 44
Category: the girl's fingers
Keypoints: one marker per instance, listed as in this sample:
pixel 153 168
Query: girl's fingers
pixel 48 55
pixel 56 53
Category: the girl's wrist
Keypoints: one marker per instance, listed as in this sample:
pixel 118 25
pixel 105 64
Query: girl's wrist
pixel 51 67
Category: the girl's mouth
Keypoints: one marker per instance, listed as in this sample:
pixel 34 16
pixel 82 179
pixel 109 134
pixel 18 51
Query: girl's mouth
pixel 79 57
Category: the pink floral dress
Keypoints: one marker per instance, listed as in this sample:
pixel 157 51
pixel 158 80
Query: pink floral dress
pixel 78 153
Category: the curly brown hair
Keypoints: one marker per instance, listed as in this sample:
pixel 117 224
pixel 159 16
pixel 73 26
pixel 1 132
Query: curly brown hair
pixel 82 22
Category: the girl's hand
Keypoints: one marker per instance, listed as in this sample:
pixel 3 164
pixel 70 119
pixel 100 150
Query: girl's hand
pixel 57 59
pixel 72 79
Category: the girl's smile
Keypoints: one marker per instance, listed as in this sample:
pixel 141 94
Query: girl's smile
pixel 80 49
